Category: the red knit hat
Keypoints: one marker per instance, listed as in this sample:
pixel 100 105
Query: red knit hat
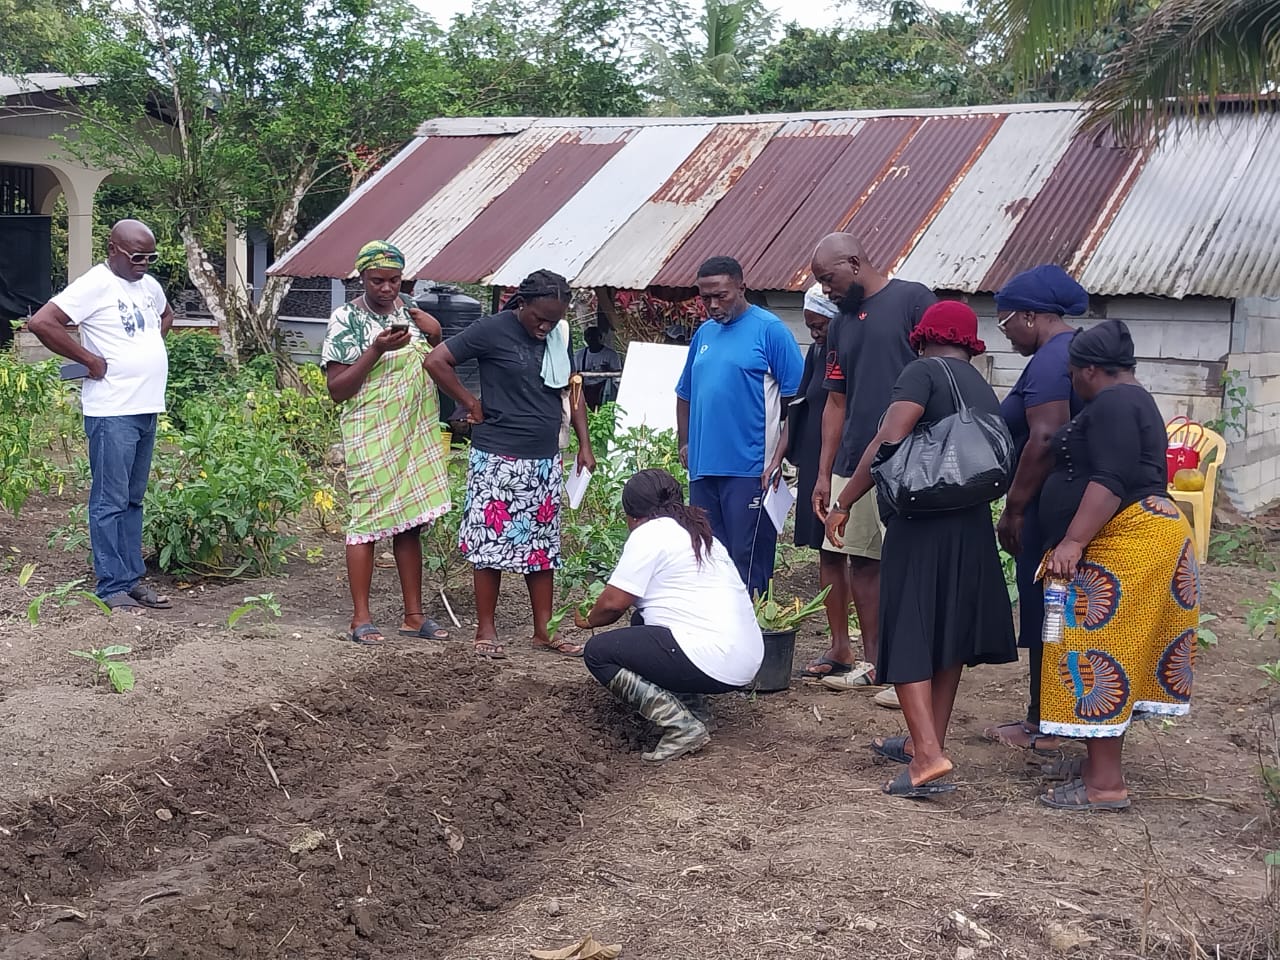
pixel 949 322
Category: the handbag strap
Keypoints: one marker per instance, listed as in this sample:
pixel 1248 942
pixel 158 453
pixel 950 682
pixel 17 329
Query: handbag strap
pixel 962 409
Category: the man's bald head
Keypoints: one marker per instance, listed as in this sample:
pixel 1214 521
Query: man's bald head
pixel 841 266
pixel 131 249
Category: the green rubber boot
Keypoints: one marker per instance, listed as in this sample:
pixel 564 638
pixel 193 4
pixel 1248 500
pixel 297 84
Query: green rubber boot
pixel 682 732
pixel 700 707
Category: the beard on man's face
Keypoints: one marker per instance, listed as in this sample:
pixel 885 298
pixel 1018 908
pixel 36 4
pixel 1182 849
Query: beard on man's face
pixel 851 302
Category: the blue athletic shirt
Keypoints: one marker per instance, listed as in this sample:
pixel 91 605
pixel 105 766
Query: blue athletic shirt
pixel 734 379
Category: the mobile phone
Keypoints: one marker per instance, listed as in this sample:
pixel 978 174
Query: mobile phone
pixel 73 371
pixel 399 328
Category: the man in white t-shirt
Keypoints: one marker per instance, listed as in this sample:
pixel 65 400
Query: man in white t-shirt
pixel 123 317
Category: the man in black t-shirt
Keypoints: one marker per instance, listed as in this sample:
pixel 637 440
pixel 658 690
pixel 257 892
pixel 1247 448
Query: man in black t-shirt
pixel 867 347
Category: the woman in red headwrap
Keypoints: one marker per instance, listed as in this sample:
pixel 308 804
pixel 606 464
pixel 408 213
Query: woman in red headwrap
pixel 943 600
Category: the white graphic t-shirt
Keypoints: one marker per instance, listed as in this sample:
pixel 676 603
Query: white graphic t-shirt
pixel 120 322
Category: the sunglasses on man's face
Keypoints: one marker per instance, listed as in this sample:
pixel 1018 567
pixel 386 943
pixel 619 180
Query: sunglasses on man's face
pixel 1003 322
pixel 138 259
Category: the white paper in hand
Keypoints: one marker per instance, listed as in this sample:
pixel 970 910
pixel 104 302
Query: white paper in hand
pixel 576 486
pixel 777 503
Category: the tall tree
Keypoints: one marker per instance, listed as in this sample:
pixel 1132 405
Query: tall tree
pixel 1179 58
pixel 261 104
pixel 32 33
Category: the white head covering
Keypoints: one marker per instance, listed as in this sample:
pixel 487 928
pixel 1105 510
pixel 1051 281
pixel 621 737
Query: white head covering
pixel 815 302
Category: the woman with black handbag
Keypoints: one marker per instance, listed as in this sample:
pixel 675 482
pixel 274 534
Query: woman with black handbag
pixel 941 456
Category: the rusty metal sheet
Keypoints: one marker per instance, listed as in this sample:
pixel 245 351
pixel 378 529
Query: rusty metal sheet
pixel 910 193
pixel 595 213
pixel 635 253
pixel 755 209
pixel 535 196
pixel 839 192
pixel 432 225
pixel 975 222
pixel 380 205
pixel 1066 211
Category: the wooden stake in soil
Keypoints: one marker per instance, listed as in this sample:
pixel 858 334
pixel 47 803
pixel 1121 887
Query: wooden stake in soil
pixel 262 752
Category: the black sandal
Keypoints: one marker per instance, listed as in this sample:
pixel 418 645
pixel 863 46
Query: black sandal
pixel 1075 796
pixel 901 786
pixel 430 630
pixel 149 598
pixel 893 748
pixel 835 669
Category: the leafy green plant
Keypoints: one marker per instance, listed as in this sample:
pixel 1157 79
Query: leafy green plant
pixel 197 371
pixel 593 594
pixel 776 617
pixel 1206 637
pixel 1264 613
pixel 221 493
pixel 1235 406
pixel 1008 563
pixel 1272 670
pixel 65 595
pixel 73 536
pixel 440 555
pixel 265 603
pixel 119 675
pixel 30 397
pixel 1240 546
pixel 305 417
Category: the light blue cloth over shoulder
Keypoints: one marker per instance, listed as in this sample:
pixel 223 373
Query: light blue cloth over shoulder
pixel 557 365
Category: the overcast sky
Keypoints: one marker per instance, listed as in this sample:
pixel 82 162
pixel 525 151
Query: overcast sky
pixel 809 13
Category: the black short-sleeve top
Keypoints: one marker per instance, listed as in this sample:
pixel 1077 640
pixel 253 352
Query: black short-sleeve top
pixel 1117 440
pixel 522 415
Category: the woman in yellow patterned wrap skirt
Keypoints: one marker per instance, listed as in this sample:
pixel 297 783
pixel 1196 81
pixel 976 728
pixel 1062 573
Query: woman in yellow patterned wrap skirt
pixel 1133 600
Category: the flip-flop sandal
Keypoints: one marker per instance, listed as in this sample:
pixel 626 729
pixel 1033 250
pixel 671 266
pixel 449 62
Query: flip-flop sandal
pixel 122 601
pixel 149 598
pixel 563 647
pixel 366 635
pixel 1060 771
pixel 1075 796
pixel 834 669
pixel 858 678
pixel 430 630
pixel 901 786
pixel 893 748
pixel 490 651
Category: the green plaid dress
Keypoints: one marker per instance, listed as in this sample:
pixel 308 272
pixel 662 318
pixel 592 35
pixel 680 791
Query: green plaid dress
pixel 396 473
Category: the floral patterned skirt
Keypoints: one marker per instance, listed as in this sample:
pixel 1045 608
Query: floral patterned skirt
pixel 511 517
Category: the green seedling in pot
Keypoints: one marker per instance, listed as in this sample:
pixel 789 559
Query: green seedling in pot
pixel 779 617
pixel 119 675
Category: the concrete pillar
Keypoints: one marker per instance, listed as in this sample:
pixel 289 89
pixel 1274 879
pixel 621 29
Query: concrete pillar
pixel 337 294
pixel 237 252
pixel 79 185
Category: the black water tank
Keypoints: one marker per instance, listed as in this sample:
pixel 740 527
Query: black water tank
pixel 455 311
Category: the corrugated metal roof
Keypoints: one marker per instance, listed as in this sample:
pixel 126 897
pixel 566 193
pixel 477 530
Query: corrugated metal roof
pixel 959 199
pixel 506 223
pixel 632 257
pixel 16 84
pixel 971 229
pixel 376 208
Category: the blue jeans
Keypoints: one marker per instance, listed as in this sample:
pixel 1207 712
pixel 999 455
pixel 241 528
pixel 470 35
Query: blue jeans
pixel 734 506
pixel 120 461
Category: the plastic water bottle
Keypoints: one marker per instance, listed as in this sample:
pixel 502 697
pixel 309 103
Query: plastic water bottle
pixel 1055 610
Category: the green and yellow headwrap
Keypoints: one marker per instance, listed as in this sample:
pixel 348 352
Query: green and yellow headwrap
pixel 379 255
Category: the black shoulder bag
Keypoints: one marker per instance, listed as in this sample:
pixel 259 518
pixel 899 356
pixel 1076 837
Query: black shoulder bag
pixel 960 461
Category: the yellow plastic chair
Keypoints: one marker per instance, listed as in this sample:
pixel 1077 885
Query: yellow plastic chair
pixel 1197 505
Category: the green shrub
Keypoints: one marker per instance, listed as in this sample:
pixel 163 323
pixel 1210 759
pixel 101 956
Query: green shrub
pixel 221 490
pixel 307 419
pixel 36 413
pixel 197 371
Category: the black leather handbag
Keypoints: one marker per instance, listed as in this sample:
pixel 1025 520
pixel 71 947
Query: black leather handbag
pixel 960 461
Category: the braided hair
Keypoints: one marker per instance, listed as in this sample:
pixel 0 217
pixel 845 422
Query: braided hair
pixel 656 493
pixel 538 285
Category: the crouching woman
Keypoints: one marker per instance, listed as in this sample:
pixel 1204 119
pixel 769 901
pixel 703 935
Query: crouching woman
pixel 694 632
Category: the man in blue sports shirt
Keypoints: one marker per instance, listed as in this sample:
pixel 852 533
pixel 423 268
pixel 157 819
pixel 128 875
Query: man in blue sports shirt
pixel 741 372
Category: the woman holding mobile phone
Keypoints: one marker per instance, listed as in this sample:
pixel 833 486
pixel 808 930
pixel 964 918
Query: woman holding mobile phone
pixel 397 480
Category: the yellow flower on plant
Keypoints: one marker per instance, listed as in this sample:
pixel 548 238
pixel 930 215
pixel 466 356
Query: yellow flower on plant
pixel 322 500
pixel 203 475
pixel 177 486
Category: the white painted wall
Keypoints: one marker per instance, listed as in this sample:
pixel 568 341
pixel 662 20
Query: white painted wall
pixel 1253 458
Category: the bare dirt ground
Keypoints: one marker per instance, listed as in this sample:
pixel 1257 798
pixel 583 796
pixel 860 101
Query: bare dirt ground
pixel 271 792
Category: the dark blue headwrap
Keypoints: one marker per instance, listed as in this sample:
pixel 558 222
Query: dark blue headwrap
pixel 1044 289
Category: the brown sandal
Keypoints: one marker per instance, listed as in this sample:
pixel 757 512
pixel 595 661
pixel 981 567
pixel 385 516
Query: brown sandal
pixel 562 647
pixel 490 650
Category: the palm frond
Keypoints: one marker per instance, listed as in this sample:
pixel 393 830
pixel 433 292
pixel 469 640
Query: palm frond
pixel 1035 32
pixel 1183 58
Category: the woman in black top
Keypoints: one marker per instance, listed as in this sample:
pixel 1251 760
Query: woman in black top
pixel 801 443
pixel 511 518
pixel 943 600
pixel 1124 553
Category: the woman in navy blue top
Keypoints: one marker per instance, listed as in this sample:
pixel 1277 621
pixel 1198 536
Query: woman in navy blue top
pixel 1029 311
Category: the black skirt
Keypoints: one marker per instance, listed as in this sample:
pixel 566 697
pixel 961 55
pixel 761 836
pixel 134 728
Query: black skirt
pixel 943 599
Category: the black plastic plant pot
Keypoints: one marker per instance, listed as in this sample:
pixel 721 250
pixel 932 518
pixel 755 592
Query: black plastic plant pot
pixel 775 669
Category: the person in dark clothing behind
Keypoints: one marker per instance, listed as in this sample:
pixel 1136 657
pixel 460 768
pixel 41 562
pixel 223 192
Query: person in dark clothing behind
pixel 1029 311
pixel 595 357
pixel 867 347
pixel 801 444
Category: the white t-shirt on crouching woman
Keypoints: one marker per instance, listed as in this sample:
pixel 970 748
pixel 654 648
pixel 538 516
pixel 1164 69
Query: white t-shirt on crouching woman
pixel 705 607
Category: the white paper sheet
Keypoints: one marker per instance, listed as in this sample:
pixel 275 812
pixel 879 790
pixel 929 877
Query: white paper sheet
pixel 778 503
pixel 576 486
